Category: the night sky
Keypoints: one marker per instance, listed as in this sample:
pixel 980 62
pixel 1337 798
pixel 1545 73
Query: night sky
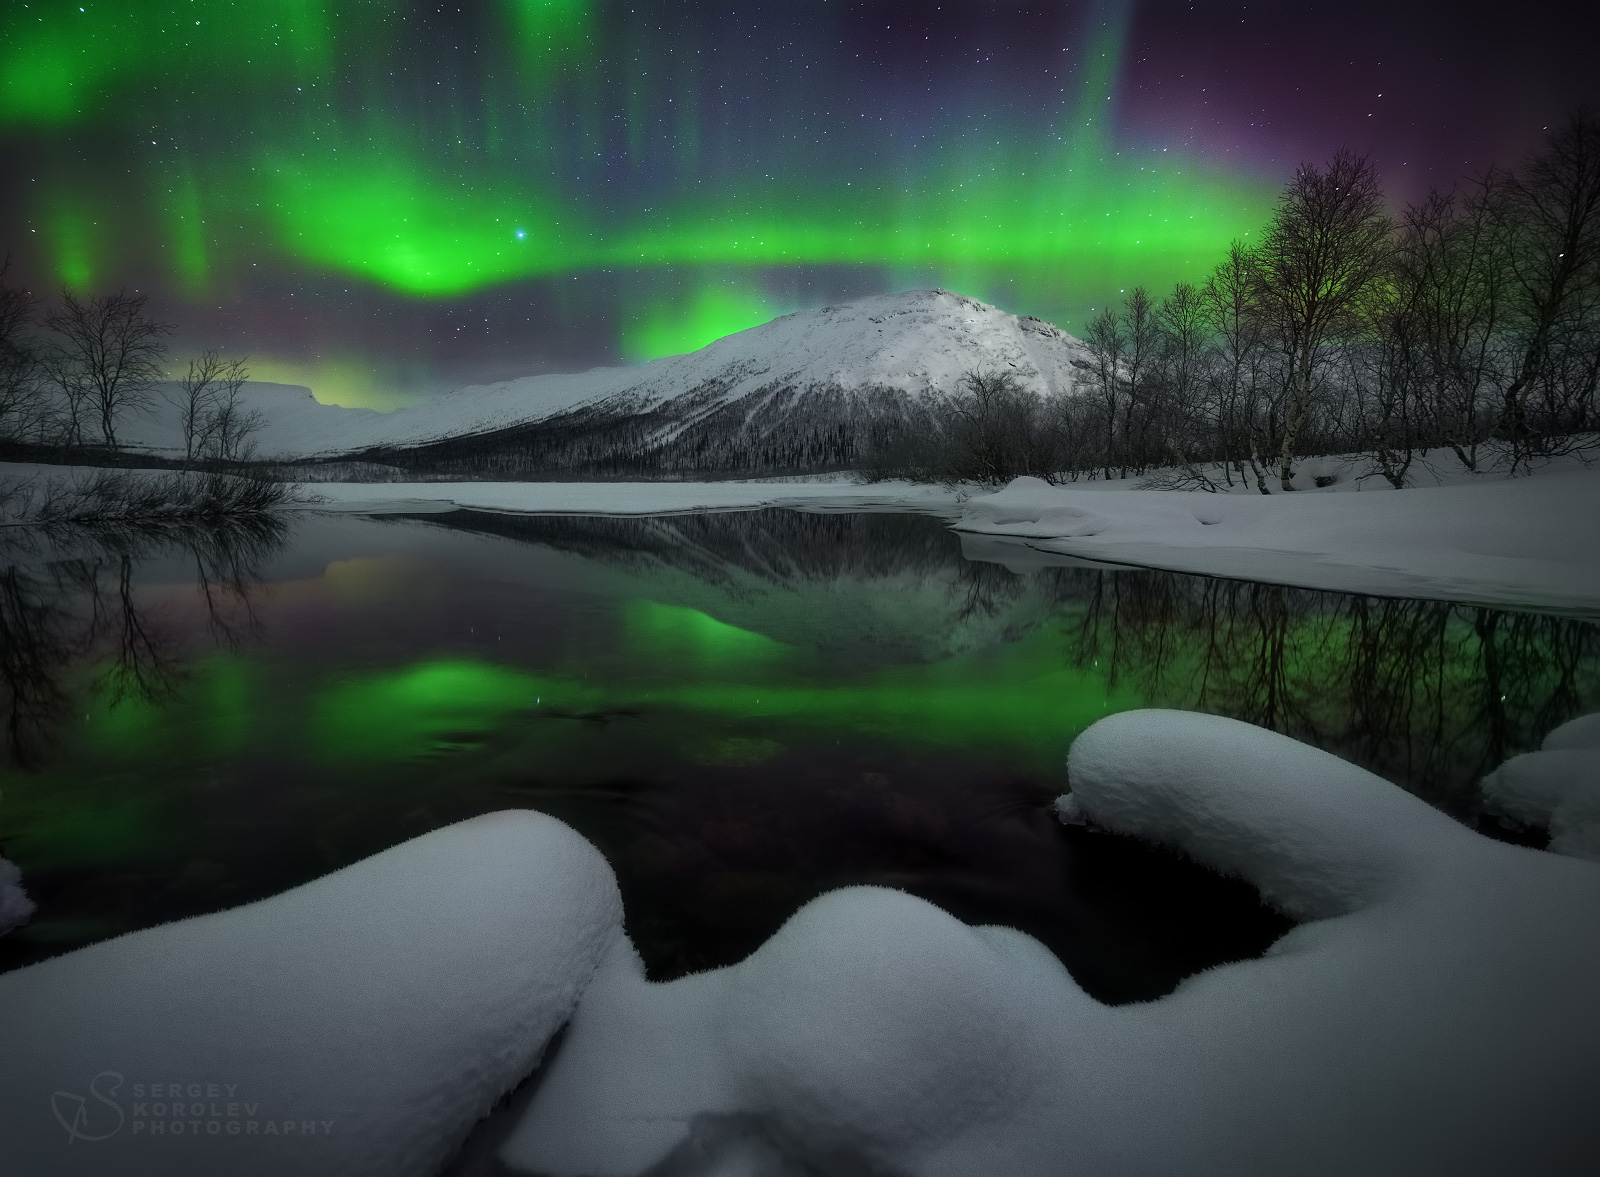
pixel 377 199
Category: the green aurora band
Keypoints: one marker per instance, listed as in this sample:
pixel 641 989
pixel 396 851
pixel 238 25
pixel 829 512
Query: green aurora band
pixel 284 133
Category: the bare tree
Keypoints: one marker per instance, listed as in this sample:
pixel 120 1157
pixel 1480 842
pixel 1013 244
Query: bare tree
pixel 1240 342
pixel 1550 215
pixel 107 356
pixel 19 359
pixel 1143 330
pixel 231 427
pixel 1106 344
pixel 1387 374
pixel 1184 335
pixel 1453 261
pixel 1000 430
pixel 210 418
pixel 1324 253
pixel 192 399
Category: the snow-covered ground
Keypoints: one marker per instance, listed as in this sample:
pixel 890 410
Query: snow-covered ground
pixel 915 341
pixel 1434 1011
pixel 1522 542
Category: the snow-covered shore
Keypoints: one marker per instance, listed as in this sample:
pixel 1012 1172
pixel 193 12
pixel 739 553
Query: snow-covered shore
pixel 1528 542
pixel 1523 542
pixel 1433 1012
pixel 633 498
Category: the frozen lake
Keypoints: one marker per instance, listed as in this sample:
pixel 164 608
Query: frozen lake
pixel 742 710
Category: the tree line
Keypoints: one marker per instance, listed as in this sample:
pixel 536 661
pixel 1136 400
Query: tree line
pixel 66 389
pixel 1469 323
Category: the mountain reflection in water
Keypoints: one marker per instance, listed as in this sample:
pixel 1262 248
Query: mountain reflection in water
pixel 741 710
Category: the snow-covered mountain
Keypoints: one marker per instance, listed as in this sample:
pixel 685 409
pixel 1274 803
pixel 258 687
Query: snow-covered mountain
pixel 838 368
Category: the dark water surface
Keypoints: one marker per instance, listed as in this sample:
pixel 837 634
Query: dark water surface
pixel 741 710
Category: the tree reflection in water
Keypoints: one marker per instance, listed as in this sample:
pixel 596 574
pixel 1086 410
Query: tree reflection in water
pixel 1430 694
pixel 68 597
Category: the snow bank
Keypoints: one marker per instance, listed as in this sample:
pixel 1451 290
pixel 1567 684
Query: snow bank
pixel 1435 1013
pixel 359 1024
pixel 1520 542
pixel 16 908
pixel 1556 788
pixel 629 498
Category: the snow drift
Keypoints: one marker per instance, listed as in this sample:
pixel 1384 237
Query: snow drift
pixel 1556 789
pixel 359 1024
pixel 1433 1012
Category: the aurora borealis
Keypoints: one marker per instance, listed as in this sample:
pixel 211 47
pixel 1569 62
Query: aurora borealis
pixel 376 198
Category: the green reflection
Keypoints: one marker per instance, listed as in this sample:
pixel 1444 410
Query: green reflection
pixel 679 661
pixel 218 777
pixel 429 706
pixel 688 640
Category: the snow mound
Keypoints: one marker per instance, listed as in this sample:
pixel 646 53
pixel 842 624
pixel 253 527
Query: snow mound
pixel 916 341
pixel 1582 732
pixel 359 1024
pixel 1435 1014
pixel 1556 788
pixel 16 908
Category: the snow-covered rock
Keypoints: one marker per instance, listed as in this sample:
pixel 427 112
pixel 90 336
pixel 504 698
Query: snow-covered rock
pixel 16 908
pixel 916 341
pixel 1556 788
pixel 1434 1014
pixel 359 1024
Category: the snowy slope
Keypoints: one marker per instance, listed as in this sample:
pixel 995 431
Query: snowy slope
pixel 916 341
